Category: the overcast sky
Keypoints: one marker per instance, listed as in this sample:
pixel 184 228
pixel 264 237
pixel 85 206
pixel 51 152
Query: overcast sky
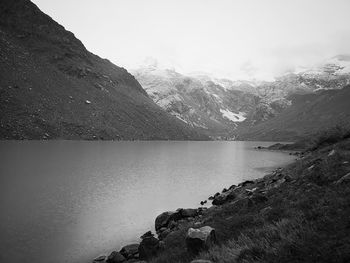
pixel 235 38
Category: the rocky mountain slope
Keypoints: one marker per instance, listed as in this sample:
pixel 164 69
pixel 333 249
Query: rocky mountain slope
pixel 307 114
pixel 332 73
pixel 223 108
pixel 205 105
pixel 52 87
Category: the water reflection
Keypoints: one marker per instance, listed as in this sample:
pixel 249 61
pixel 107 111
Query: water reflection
pixel 66 201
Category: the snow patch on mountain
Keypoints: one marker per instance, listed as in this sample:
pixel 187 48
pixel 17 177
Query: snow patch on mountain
pixel 165 102
pixel 177 115
pixel 199 125
pixel 234 117
pixel 337 65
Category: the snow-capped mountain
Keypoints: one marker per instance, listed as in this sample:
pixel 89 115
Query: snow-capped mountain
pixel 204 105
pixel 217 106
pixel 336 66
pixel 318 99
pixel 307 115
pixel 332 73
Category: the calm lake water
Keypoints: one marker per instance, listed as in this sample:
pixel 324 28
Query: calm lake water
pixel 69 201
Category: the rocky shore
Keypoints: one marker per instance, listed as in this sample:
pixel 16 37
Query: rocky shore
pixel 232 229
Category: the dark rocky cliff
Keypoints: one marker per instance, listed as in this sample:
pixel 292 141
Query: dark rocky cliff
pixel 51 86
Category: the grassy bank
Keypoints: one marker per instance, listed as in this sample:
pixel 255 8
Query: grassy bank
pixel 300 213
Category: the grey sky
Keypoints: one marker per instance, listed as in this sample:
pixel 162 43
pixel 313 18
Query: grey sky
pixel 234 38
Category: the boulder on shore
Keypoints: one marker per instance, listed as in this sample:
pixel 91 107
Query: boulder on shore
pixel 147 234
pixel 223 198
pixel 245 183
pixel 200 239
pixel 115 257
pixel 165 218
pixel 130 251
pixel 188 212
pixel 163 234
pixel 149 247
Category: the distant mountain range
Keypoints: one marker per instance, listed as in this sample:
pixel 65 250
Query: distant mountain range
pixel 52 87
pixel 224 109
pixel 308 114
pixel 204 105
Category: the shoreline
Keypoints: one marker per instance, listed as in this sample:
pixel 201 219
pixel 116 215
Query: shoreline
pixel 244 216
pixel 183 216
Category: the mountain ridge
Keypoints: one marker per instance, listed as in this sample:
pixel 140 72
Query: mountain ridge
pixel 206 106
pixel 52 87
pixel 224 100
pixel 307 114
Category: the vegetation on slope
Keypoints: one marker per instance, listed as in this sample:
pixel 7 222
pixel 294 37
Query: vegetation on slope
pixel 52 87
pixel 307 114
pixel 303 217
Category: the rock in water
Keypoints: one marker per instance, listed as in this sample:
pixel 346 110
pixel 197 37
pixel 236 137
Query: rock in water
pixel 200 239
pixel 115 257
pixel 149 247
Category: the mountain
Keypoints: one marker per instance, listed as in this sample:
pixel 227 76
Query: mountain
pixel 223 108
pixel 212 105
pixel 307 114
pixel 332 73
pixel 206 106
pixel 304 105
pixel 52 87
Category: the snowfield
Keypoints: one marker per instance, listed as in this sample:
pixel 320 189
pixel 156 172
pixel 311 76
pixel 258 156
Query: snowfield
pixel 233 116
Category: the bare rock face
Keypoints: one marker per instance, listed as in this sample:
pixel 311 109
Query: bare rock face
pixel 200 239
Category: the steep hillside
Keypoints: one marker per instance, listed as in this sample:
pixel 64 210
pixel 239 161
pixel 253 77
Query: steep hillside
pixel 52 87
pixel 206 106
pixel 307 114
pixel 293 214
pixel 332 73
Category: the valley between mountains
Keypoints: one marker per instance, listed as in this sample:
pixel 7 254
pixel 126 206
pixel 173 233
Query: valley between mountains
pixel 52 87
pixel 292 106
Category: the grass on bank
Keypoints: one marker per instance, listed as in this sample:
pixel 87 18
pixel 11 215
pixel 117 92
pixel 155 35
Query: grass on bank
pixel 323 138
pixel 305 220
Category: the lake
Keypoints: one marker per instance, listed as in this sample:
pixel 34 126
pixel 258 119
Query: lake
pixel 69 201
